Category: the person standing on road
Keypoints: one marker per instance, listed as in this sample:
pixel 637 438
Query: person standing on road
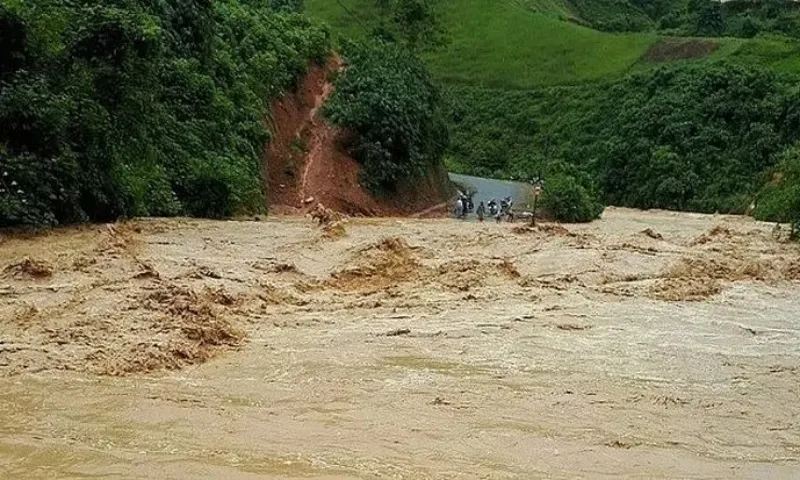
pixel 464 205
pixel 481 211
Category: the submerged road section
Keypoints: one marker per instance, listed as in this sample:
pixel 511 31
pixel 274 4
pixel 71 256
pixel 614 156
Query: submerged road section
pixel 487 189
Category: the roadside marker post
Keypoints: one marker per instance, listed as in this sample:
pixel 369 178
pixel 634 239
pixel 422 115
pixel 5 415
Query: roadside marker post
pixel 537 190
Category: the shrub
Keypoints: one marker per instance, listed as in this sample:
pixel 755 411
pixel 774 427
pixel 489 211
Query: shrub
pixel 387 102
pixel 779 201
pixel 569 201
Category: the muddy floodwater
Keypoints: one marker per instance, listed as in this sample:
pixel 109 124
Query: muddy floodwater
pixel 644 345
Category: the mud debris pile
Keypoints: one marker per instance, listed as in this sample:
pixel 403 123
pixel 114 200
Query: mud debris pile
pixel 29 268
pixel 378 266
pixel 331 222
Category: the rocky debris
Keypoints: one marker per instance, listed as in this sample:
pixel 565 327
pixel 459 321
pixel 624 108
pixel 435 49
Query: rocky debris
pixel 649 232
pixel 29 268
pixel 398 332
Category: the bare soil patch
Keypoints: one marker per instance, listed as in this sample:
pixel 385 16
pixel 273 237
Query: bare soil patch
pixel 670 49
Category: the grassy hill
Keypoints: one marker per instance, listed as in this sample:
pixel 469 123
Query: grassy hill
pixel 501 44
pixel 506 43
pixel 522 44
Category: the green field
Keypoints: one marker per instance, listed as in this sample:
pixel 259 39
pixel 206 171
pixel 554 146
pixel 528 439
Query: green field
pixel 516 48
pixel 507 44
pixel 529 43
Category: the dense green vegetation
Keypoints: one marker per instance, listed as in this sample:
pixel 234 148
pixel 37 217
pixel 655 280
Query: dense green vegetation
pixel 780 199
pixel 695 138
pixel 385 99
pixel 683 137
pixel 738 18
pixel 734 18
pixel 141 107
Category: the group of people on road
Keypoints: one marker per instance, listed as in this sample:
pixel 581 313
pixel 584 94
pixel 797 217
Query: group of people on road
pixel 501 210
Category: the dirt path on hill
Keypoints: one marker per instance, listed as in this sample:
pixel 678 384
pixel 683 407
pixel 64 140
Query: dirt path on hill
pixel 319 135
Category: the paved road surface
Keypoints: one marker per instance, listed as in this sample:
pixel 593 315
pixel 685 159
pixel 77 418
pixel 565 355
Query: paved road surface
pixel 488 188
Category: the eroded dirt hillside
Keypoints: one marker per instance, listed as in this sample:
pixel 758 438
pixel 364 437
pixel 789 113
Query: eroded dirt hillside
pixel 306 164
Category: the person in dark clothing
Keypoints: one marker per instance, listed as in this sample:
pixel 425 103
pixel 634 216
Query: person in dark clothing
pixel 481 211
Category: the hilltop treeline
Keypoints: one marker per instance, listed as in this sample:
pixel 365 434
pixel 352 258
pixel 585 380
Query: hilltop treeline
pixel 141 107
pixel 712 18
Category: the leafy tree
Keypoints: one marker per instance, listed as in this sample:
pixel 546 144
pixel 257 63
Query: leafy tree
pixel 655 9
pixel 569 201
pixel 414 23
pixel 750 27
pixel 417 22
pixel 707 17
pixel 387 101
pixel 293 5
pixel 779 201
pixel 13 42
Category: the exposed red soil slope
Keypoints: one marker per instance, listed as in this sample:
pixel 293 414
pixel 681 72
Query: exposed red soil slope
pixel 306 165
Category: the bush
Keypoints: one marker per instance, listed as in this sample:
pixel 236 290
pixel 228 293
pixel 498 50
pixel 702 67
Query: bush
pixel 569 201
pixel 387 102
pixel 779 201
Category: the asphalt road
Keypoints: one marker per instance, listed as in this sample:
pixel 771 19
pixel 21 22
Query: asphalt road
pixel 487 189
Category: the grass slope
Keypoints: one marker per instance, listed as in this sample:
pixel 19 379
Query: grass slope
pixel 503 43
pixel 498 43
pixel 523 44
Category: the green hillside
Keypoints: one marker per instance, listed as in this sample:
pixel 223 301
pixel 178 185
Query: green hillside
pixel 687 105
pixel 506 43
pixel 502 44
pixel 533 43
